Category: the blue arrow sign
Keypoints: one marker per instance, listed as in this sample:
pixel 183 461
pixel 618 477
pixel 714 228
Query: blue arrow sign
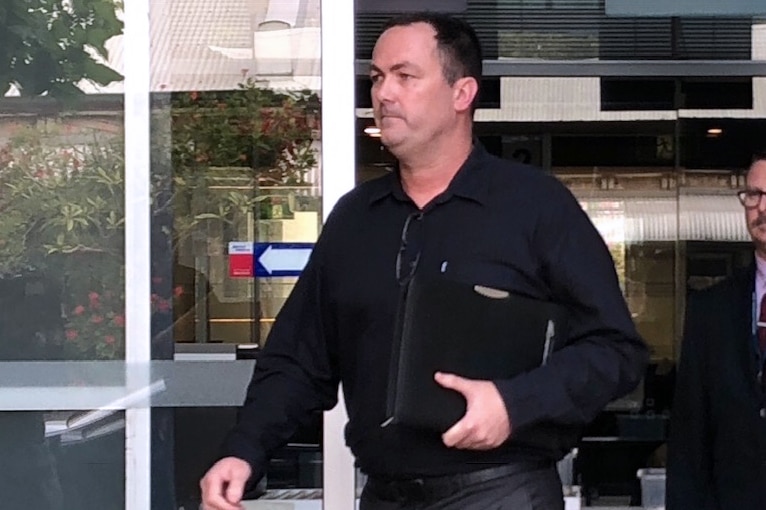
pixel 281 259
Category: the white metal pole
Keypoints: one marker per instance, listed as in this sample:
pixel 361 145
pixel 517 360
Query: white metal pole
pixel 137 251
pixel 338 177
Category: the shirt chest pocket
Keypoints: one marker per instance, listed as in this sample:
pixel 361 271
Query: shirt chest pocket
pixel 495 274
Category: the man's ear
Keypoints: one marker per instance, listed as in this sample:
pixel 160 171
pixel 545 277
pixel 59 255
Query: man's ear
pixel 465 90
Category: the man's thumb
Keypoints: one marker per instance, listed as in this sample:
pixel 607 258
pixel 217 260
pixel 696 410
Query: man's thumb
pixel 450 381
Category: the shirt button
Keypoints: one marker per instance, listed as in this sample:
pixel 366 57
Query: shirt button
pixel 763 413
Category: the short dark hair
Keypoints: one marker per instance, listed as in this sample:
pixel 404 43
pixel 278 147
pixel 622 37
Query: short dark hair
pixel 457 42
pixel 758 156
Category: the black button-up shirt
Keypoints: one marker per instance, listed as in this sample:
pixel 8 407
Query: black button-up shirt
pixel 498 224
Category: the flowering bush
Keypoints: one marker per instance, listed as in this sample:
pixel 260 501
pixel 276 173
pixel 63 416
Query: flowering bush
pixel 95 326
pixel 63 215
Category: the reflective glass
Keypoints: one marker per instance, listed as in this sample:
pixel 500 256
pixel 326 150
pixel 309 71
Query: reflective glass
pixel 236 177
pixel 61 254
pixel 57 460
pixel 655 163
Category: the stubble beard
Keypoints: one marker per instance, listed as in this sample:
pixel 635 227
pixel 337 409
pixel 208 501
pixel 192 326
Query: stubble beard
pixel 758 235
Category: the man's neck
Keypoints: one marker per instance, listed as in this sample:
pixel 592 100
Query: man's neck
pixel 428 176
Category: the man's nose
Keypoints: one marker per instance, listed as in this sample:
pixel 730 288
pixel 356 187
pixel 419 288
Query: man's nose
pixel 382 90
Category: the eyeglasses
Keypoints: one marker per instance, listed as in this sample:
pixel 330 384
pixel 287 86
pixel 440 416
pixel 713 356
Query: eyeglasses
pixel 409 250
pixel 750 197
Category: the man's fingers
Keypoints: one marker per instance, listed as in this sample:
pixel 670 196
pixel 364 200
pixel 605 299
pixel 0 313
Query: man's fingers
pixel 486 423
pixel 224 484
pixel 220 499
pixel 451 438
pixel 235 490
pixel 465 436
pixel 215 494
pixel 456 435
pixel 453 382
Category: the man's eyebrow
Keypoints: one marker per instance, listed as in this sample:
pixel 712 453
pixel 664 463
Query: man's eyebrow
pixel 396 67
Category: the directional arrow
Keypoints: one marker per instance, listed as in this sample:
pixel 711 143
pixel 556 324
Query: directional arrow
pixel 281 259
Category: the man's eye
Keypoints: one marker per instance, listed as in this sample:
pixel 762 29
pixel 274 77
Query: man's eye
pixel 375 78
pixel 753 194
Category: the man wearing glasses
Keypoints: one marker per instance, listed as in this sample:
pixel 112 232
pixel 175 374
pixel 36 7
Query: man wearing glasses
pixel 449 210
pixel 717 445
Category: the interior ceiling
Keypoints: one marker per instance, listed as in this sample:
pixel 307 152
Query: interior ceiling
pixel 611 128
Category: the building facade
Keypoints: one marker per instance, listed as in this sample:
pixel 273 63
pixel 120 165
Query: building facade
pixel 155 225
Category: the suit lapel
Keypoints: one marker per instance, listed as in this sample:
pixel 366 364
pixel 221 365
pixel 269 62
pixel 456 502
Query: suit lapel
pixel 744 285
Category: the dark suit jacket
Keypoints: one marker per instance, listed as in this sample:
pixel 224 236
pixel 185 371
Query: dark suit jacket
pixel 717 445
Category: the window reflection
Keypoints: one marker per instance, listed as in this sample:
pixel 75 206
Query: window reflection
pixel 48 467
pixel 245 170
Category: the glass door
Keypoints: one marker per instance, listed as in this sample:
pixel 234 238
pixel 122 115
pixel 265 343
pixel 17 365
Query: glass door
pixel 251 102
pixel 63 343
pixel 162 184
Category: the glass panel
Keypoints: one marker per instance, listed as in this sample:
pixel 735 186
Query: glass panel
pixel 237 188
pixel 64 210
pixel 654 161
pixel 61 254
pixel 581 29
pixel 658 180
pixel 244 152
pixel 62 460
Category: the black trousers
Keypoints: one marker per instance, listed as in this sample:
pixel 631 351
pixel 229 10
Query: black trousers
pixel 538 488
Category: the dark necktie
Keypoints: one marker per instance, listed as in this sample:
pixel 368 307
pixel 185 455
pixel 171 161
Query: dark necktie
pixel 761 332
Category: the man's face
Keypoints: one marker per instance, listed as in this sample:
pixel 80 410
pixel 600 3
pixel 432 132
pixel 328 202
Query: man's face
pixel 756 216
pixel 412 101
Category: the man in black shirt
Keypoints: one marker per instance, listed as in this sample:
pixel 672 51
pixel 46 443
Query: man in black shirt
pixel 449 209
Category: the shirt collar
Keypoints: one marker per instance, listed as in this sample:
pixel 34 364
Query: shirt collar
pixel 760 272
pixel 469 181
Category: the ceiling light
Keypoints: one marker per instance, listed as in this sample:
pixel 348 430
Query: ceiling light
pixel 714 131
pixel 372 131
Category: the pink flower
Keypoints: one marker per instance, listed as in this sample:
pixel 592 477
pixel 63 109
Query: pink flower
pixel 78 310
pixel 71 334
pixel 119 320
pixel 97 319
pixel 109 339
pixel 178 291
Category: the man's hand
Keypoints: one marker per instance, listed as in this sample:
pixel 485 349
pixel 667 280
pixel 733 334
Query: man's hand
pixel 486 424
pixel 224 483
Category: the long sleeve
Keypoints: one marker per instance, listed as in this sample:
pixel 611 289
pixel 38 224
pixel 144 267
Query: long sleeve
pixel 604 357
pixel 689 471
pixel 294 376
